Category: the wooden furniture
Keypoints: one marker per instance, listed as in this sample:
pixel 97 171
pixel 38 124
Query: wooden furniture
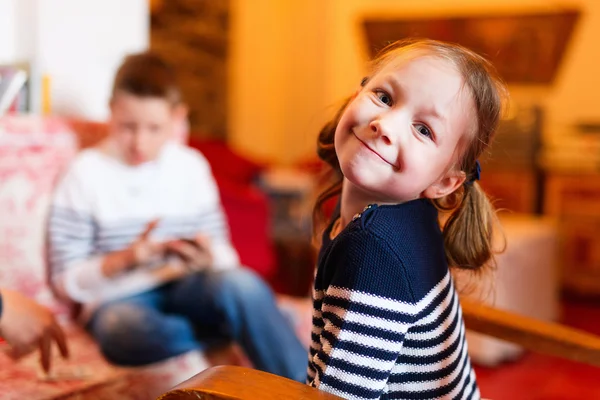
pixel 511 173
pixel 290 192
pixel 227 382
pixel 524 281
pixel 514 190
pixel 574 199
pixel 237 383
pixel 543 337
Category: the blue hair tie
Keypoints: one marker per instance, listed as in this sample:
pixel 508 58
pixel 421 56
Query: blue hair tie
pixel 475 173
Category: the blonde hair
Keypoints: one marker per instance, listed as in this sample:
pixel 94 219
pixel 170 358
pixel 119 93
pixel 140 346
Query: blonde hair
pixel 468 228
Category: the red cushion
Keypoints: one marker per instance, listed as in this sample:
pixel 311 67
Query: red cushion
pixel 246 207
pixel 226 163
pixel 247 211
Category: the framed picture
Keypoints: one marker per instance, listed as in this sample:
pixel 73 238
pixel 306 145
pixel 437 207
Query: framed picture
pixel 525 48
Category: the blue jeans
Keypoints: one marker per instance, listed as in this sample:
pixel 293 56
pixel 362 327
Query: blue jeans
pixel 191 313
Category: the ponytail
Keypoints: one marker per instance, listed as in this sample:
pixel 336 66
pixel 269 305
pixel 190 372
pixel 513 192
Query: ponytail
pixel 332 177
pixel 468 231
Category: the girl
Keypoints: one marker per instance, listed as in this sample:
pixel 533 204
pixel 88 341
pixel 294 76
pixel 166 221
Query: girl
pixel 387 322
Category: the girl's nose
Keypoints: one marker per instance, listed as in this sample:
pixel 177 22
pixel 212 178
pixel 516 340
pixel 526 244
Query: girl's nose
pixel 378 130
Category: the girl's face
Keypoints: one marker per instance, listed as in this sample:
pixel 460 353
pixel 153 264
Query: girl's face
pixel 398 138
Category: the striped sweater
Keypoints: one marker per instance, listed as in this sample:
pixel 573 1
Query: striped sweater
pixel 102 205
pixel 386 321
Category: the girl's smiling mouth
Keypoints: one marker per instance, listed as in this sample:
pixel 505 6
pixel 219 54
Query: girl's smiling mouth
pixel 374 152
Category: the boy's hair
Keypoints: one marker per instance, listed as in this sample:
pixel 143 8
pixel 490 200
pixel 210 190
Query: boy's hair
pixel 147 75
pixel 469 226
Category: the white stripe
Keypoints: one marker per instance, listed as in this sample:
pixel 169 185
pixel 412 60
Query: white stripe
pixel 315 346
pixel 319 344
pixel 424 368
pixel 460 384
pixel 318 295
pixel 367 320
pixel 369 341
pixel 373 300
pixel 316 330
pixel 433 384
pixel 440 307
pixel 345 395
pixel 362 360
pixel 317 314
pixel 441 328
pixel 355 379
pixel 469 389
pixel 369 361
pixel 319 363
pixel 436 365
pixel 434 292
pixel 430 351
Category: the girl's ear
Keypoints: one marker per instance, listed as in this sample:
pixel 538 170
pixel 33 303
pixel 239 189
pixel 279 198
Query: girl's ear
pixel 445 185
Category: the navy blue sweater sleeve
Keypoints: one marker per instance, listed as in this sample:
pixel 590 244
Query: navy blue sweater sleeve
pixel 363 309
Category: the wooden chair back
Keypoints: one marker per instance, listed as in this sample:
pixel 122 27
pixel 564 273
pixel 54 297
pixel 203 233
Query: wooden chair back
pixel 237 383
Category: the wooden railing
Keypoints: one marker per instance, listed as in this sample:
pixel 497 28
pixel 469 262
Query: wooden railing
pixel 237 383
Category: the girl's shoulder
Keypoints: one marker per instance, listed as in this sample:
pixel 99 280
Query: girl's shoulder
pixel 399 223
pixel 357 261
pixel 411 231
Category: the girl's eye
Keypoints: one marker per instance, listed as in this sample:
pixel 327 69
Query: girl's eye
pixel 384 97
pixel 424 130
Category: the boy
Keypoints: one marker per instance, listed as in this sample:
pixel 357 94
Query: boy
pixel 139 239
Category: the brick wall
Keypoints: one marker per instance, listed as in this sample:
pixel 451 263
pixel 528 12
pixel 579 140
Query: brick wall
pixel 192 35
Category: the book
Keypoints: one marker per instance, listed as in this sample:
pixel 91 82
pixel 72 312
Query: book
pixel 13 90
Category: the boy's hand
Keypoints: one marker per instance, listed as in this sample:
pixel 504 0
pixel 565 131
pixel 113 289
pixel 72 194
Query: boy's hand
pixel 143 248
pixel 196 253
pixel 27 326
pixel 140 252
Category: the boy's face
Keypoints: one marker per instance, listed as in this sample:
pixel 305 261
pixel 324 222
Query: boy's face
pixel 141 126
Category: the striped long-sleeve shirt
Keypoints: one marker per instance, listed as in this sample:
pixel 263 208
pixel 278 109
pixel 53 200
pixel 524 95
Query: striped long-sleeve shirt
pixel 102 205
pixel 387 322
